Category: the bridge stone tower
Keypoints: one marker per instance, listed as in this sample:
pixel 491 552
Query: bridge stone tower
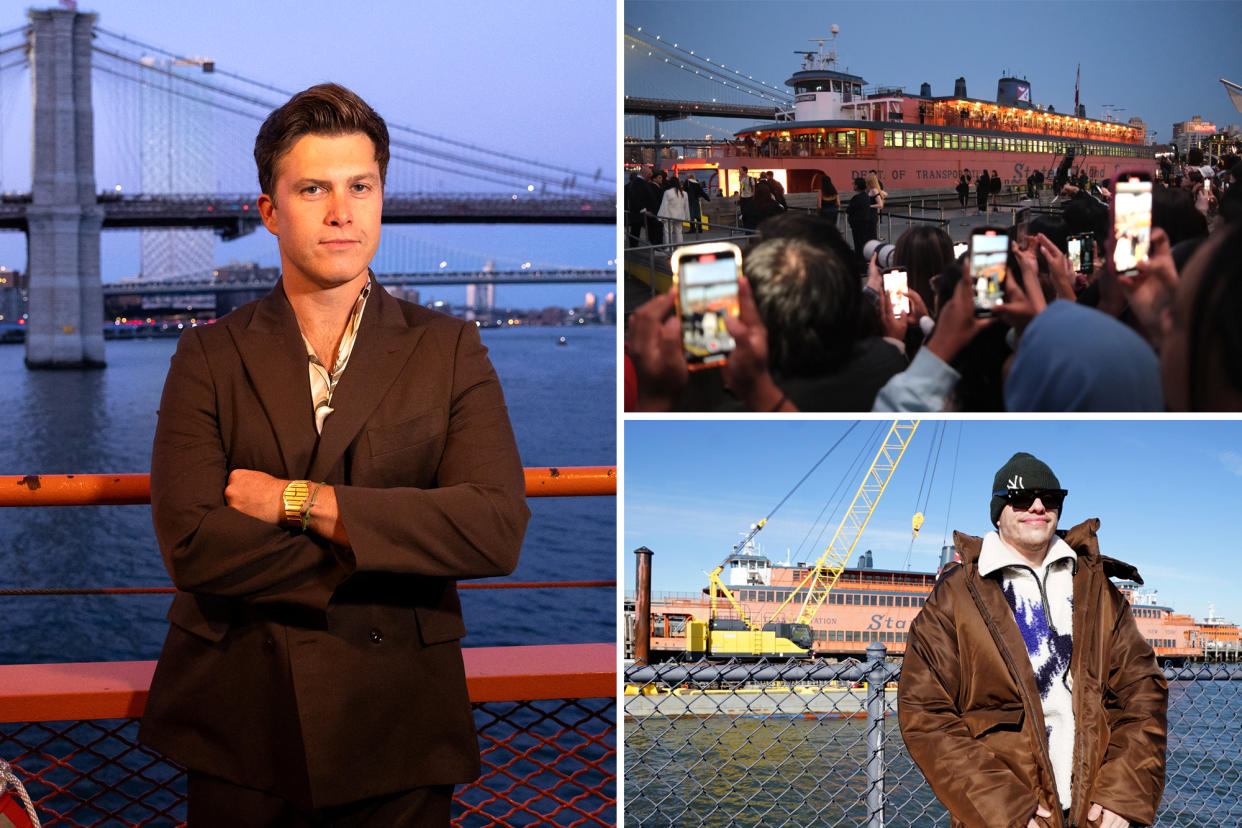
pixel 63 219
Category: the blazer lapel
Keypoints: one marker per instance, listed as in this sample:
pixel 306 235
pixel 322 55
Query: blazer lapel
pixel 382 349
pixel 272 350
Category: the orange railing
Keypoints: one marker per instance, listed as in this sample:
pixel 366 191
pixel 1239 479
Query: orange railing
pixel 131 489
pixel 546 715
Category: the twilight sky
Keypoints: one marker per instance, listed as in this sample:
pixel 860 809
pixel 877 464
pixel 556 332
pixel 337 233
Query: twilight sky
pixel 1160 61
pixel 491 74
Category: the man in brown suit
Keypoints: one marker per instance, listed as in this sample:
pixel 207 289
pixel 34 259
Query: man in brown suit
pixel 328 462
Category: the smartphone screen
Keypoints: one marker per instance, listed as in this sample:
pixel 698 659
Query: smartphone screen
pixel 1131 222
pixel 1074 250
pixel 1081 252
pixel 706 276
pixel 895 283
pixel 989 250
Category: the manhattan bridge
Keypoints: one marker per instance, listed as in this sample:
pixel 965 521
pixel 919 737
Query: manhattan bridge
pixel 128 135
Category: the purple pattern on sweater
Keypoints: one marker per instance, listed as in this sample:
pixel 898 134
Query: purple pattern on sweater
pixel 1036 631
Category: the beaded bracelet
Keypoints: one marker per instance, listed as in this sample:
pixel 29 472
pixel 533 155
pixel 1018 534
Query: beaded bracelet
pixel 306 510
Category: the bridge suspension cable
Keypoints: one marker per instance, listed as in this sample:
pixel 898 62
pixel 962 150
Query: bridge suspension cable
pixel 678 57
pixel 483 168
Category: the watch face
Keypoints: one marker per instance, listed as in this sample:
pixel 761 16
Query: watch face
pixel 294 499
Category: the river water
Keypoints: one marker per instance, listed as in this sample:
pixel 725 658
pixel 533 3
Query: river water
pixel 562 401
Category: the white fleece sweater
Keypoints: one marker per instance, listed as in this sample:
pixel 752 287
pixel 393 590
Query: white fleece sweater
pixel 1042 600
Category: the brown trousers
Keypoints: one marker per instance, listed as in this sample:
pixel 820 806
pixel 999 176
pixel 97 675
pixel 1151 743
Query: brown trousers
pixel 214 803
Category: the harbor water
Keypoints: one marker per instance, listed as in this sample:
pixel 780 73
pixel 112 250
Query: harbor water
pixel 764 770
pixel 562 402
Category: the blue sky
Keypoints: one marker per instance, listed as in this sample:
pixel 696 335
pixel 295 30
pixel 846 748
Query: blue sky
pixel 504 76
pixel 1166 493
pixel 1158 60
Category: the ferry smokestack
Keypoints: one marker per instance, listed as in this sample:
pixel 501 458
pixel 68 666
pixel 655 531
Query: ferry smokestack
pixel 959 88
pixel 642 606
pixel 948 558
pixel 925 90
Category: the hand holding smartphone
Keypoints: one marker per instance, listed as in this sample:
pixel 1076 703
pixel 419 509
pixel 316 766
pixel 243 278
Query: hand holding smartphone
pixel 705 278
pixel 989 253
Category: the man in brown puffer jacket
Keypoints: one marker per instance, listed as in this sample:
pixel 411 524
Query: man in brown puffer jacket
pixel 1028 696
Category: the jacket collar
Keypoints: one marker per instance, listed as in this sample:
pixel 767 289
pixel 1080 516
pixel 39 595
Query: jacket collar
pixel 995 554
pixel 1081 539
pixel 271 348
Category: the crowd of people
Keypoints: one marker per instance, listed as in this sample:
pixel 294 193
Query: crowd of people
pixel 654 201
pixel 816 330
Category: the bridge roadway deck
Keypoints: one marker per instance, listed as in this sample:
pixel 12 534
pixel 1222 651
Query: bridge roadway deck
pixel 236 215
pixel 667 109
pixel 499 277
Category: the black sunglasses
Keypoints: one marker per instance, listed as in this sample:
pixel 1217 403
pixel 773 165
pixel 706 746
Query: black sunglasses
pixel 1022 499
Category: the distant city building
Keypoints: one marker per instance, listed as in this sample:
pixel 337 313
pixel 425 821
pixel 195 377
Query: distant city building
pixel 1192 133
pixel 1138 123
pixel 177 158
pixel 481 298
pixel 608 314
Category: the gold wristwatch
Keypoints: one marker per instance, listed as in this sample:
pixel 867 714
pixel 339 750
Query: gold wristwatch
pixel 295 497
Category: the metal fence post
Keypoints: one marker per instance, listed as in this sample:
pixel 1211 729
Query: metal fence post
pixel 875 734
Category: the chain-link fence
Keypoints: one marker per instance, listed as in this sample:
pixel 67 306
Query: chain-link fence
pixel 774 744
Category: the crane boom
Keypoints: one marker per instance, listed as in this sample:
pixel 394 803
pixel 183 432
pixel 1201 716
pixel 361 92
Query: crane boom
pixel 823 575
pixel 749 638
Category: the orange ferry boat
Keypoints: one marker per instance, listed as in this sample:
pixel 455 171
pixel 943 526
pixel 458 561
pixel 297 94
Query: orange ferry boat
pixel 868 604
pixel 918 144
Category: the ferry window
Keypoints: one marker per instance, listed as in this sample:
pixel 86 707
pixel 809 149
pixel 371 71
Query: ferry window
pixel 888 138
pixel 858 89
pixel 862 138
pixel 836 86
pixel 899 137
pixel 970 142
pixel 918 139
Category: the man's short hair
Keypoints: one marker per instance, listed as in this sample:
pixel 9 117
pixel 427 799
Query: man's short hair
pixel 325 109
pixel 810 304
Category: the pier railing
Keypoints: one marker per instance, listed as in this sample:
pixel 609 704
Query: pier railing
pixel 546 715
pixel 795 744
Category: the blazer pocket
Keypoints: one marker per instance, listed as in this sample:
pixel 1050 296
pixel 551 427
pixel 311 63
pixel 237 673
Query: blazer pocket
pixel 438 624
pixel 429 425
pixel 206 617
pixel 987 719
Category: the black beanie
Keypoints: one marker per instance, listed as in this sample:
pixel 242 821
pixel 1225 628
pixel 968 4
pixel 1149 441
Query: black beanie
pixel 1023 471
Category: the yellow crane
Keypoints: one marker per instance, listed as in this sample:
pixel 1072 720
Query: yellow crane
pixel 746 638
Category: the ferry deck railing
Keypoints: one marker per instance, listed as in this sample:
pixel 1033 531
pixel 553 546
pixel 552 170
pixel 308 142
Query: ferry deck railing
pixel 546 715
pixel 817 743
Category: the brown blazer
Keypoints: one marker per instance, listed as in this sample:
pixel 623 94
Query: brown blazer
pixel 321 673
